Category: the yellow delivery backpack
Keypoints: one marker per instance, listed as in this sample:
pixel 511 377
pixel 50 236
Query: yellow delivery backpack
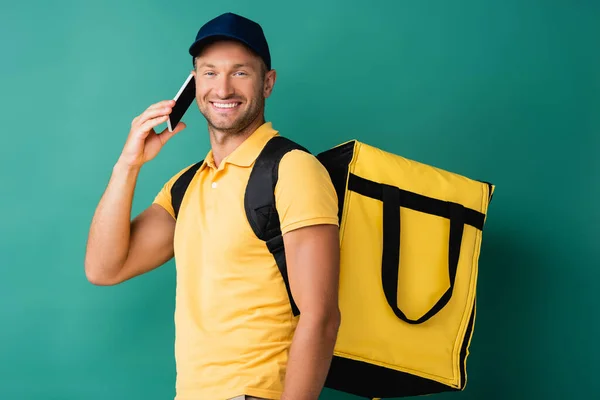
pixel 410 238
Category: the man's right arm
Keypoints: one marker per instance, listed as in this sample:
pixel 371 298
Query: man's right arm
pixel 119 248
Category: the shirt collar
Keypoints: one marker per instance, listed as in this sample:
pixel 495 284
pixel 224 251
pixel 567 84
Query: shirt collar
pixel 247 152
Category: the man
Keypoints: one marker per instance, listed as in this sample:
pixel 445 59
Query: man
pixel 236 335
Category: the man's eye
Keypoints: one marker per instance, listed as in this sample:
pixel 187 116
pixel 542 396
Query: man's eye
pixel 209 73
pixel 240 73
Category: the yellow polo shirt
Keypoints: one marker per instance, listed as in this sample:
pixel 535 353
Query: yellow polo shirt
pixel 234 324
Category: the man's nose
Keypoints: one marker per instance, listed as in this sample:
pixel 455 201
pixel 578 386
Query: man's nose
pixel 224 88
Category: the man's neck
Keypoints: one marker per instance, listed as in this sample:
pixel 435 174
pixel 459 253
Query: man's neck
pixel 224 143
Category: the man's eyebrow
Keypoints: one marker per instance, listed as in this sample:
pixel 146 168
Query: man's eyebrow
pixel 238 65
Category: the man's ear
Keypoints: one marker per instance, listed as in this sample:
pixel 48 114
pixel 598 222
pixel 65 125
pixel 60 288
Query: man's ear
pixel 270 78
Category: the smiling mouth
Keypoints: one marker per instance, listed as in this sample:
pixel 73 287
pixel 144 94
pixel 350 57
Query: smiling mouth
pixel 225 105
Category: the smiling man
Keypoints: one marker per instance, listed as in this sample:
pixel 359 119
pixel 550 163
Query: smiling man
pixel 237 336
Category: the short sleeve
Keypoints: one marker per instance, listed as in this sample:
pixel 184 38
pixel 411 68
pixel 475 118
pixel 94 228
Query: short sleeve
pixel 304 194
pixel 163 197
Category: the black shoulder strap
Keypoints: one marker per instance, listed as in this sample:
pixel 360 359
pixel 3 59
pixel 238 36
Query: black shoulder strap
pixel 181 185
pixel 259 202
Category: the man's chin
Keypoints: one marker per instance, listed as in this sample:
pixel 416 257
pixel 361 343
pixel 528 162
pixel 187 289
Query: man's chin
pixel 224 125
pixel 220 121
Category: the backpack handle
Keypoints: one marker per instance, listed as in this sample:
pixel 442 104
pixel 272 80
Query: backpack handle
pixel 393 198
pixel 391 251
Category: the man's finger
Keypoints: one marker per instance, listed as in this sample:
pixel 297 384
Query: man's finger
pixel 141 118
pixel 161 104
pixel 151 123
pixel 154 113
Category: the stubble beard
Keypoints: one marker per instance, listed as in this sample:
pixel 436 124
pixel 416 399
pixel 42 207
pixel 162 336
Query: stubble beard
pixel 238 125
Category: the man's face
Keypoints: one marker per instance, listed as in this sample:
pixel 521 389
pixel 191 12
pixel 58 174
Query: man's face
pixel 231 86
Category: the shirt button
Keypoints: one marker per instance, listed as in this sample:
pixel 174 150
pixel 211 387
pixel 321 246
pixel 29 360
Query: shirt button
pixel 214 185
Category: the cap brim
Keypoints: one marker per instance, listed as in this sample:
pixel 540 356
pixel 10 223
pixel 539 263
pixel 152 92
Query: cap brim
pixel 197 46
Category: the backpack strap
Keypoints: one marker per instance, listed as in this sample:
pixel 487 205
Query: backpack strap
pixel 181 185
pixel 259 202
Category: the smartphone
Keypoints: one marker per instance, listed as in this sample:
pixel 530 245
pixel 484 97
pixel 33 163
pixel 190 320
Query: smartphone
pixel 183 100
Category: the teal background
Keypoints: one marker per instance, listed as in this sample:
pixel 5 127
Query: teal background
pixel 504 91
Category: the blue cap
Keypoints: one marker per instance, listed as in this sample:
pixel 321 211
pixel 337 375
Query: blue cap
pixel 233 26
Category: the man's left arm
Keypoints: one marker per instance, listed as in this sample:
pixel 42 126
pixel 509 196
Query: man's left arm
pixel 312 254
pixel 308 207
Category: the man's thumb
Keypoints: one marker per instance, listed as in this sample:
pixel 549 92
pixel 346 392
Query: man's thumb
pixel 166 135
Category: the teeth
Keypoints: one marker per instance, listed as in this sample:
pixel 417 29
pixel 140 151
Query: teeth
pixel 225 105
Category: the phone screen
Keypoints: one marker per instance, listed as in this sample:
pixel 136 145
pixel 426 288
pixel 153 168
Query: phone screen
pixel 183 100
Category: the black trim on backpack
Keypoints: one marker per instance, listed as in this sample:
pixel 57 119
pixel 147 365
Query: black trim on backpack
pixel 372 381
pixel 180 186
pixel 464 347
pixel 259 203
pixel 414 201
pixel 337 161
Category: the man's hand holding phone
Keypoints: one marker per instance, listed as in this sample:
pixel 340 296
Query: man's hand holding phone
pixel 143 143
